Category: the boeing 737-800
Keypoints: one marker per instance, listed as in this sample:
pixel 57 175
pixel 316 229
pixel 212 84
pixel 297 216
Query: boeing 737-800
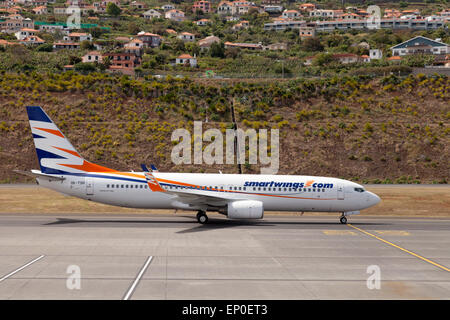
pixel 238 196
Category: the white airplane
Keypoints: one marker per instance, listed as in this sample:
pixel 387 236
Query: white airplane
pixel 238 196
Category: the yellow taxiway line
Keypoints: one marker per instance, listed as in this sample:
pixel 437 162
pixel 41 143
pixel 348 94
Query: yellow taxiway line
pixel 403 249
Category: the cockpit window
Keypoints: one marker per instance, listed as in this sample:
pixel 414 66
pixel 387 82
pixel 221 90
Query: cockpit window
pixel 359 190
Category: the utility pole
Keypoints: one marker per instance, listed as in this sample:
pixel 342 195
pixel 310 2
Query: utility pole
pixel 233 119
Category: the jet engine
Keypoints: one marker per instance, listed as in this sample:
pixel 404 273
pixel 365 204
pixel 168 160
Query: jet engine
pixel 245 209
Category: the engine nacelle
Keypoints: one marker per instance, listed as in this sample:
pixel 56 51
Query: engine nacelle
pixel 245 209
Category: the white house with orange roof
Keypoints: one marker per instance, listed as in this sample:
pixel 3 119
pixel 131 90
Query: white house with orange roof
pixel 392 13
pixel 175 15
pixel 306 32
pixel 93 56
pixel 24 33
pixel 135 46
pixel 32 41
pixel 225 8
pixel 202 22
pixel 149 39
pixel 40 10
pixel 186 36
pixel 167 7
pixel 78 37
pixel 322 13
pixel 291 14
pixel 307 6
pixel 244 24
pixel 186 59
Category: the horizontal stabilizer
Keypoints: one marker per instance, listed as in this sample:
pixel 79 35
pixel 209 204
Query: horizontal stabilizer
pixel 39 175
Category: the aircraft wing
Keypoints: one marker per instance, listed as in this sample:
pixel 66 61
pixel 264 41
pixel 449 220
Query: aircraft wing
pixel 185 195
pixel 193 198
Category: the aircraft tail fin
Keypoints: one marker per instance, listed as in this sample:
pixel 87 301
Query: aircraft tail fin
pixel 55 153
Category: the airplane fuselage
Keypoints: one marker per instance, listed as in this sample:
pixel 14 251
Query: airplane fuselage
pixel 276 192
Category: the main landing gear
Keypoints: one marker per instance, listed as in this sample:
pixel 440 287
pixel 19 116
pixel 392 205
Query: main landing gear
pixel 343 219
pixel 202 218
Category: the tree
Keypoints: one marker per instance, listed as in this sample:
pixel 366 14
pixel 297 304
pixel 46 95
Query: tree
pixel 86 45
pixel 112 9
pixel 133 28
pixel 192 48
pixel 45 47
pixel 85 67
pixel 217 50
pixel 323 59
pixel 312 44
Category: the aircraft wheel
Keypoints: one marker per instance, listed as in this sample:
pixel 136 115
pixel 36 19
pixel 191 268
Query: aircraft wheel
pixel 343 220
pixel 202 218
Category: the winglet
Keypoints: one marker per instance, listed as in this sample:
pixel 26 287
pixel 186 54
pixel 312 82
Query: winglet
pixel 151 180
pixel 154 169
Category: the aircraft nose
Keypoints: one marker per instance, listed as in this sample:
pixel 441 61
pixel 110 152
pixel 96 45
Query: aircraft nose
pixel 372 198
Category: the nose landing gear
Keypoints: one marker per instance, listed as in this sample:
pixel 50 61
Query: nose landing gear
pixel 202 218
pixel 343 219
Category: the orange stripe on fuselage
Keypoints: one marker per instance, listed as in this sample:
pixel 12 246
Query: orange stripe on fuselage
pixel 141 176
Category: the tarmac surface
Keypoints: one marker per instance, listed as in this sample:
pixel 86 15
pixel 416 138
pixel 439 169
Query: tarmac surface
pixel 173 257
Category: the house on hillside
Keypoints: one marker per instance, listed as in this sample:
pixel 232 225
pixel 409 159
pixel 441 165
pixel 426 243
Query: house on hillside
pixel 32 41
pixel 186 37
pixel 345 58
pixel 204 6
pixel 307 7
pixel 138 5
pixel 206 43
pixel 135 46
pixel 202 22
pixel 249 46
pixel 225 8
pixel 420 45
pixel 306 32
pixel 168 7
pixel 123 60
pixel 175 15
pixel 24 33
pixel 40 10
pixel 93 56
pixel 186 59
pixel 66 45
pixel 78 37
pixel 151 40
pixel 152 13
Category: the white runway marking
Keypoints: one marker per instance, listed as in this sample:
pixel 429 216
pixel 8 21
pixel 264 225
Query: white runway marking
pixel 21 268
pixel 138 278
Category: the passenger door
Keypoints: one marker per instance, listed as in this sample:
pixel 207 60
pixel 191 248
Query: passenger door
pixel 340 192
pixel 89 186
